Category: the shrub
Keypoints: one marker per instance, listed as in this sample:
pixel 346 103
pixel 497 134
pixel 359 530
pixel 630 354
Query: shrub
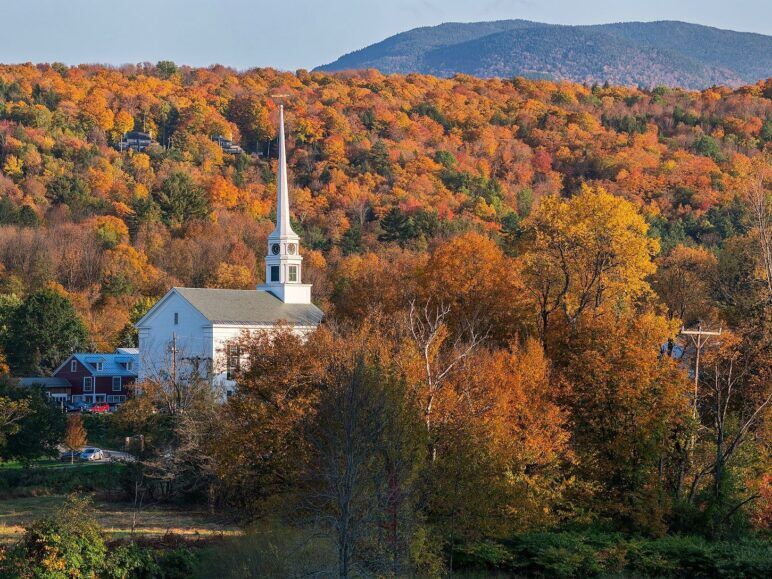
pixel 67 543
pixel 585 554
pixel 178 563
pixel 131 562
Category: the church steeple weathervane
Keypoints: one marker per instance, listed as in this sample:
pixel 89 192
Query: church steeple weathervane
pixel 283 261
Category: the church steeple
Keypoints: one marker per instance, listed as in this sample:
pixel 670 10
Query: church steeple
pixel 283 261
pixel 283 226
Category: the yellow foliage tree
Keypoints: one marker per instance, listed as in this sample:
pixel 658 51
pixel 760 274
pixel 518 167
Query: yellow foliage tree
pixel 589 252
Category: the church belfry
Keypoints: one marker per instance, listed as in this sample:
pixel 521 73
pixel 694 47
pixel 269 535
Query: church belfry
pixel 283 263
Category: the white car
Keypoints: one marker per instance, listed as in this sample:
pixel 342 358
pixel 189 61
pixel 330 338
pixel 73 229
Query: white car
pixel 90 454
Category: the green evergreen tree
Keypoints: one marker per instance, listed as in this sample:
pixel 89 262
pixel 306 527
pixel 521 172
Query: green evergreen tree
pixel 181 199
pixel 42 332
pixel 395 225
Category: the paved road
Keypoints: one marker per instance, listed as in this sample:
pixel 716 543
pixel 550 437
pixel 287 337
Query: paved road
pixel 119 455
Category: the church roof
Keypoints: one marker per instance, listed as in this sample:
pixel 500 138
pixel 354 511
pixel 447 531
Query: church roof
pixel 249 307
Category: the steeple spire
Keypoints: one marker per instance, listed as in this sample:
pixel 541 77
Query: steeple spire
pixel 283 227
pixel 283 261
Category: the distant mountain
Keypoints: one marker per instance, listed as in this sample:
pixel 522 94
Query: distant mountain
pixel 629 53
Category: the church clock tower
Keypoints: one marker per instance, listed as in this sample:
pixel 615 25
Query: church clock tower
pixel 283 263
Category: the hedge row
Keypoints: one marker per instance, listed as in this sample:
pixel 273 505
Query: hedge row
pixel 575 554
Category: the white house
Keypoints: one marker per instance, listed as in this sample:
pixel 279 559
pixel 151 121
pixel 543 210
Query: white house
pixel 190 328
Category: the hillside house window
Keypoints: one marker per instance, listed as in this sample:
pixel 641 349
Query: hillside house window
pixel 176 318
pixel 115 399
pixel 233 361
pixel 74 366
pixel 88 384
pixel 116 383
pixel 130 365
pixel 99 366
pixel 274 273
pixel 293 273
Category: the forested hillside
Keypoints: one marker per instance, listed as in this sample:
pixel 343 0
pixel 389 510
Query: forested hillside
pixel 379 165
pixel 628 53
pixel 509 261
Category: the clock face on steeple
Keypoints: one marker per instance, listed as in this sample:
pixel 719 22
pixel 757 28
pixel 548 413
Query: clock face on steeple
pixel 275 248
pixel 291 248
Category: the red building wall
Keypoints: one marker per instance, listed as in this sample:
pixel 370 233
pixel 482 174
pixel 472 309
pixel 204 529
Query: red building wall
pixel 102 384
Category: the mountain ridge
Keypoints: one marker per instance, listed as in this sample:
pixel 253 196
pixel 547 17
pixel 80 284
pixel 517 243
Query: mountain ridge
pixel 666 52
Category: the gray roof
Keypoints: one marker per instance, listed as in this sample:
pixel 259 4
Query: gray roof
pixel 249 307
pixel 44 381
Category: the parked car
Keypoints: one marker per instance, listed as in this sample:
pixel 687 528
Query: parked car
pixel 91 453
pixel 99 407
pixel 77 406
pixel 70 456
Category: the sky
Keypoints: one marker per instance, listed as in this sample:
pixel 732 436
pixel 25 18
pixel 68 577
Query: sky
pixel 292 34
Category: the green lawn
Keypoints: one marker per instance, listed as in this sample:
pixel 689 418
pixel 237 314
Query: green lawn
pixel 49 463
pixel 117 519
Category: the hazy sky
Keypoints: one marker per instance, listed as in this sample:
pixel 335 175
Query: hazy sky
pixel 291 34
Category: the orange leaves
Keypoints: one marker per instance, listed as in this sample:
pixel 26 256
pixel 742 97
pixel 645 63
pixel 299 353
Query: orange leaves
pixel 232 276
pixel 335 150
pixel 223 193
pixel 110 230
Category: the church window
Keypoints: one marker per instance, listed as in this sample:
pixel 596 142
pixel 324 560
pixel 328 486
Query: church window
pixel 176 318
pixel 233 361
pixel 293 273
pixel 274 273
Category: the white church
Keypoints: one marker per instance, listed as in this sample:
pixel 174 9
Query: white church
pixel 191 328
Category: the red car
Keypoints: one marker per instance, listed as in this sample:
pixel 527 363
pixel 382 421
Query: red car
pixel 99 407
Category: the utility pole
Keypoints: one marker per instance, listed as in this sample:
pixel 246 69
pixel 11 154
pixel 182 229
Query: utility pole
pixel 174 357
pixel 699 338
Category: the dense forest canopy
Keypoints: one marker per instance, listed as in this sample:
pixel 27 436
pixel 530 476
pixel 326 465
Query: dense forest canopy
pixel 380 164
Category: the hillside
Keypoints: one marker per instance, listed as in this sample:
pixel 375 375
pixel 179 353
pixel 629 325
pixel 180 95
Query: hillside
pixel 632 53
pixel 378 164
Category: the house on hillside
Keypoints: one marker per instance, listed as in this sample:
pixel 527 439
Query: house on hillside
pixel 191 330
pixel 136 140
pixel 92 377
pixel 227 145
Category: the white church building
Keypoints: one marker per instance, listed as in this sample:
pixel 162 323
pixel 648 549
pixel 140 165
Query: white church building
pixel 193 327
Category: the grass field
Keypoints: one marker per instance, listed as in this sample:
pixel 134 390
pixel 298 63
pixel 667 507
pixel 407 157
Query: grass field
pixel 116 519
pixel 51 463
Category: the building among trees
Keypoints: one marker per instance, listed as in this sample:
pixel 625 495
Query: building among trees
pixel 92 377
pixel 190 330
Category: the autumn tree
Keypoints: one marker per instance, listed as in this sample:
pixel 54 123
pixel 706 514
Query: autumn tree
pixel 629 410
pixel 684 281
pixel 733 397
pixel 75 436
pixel 588 253
pixel 365 454
pixel 278 389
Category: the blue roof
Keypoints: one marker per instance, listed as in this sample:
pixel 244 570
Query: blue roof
pixel 112 364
